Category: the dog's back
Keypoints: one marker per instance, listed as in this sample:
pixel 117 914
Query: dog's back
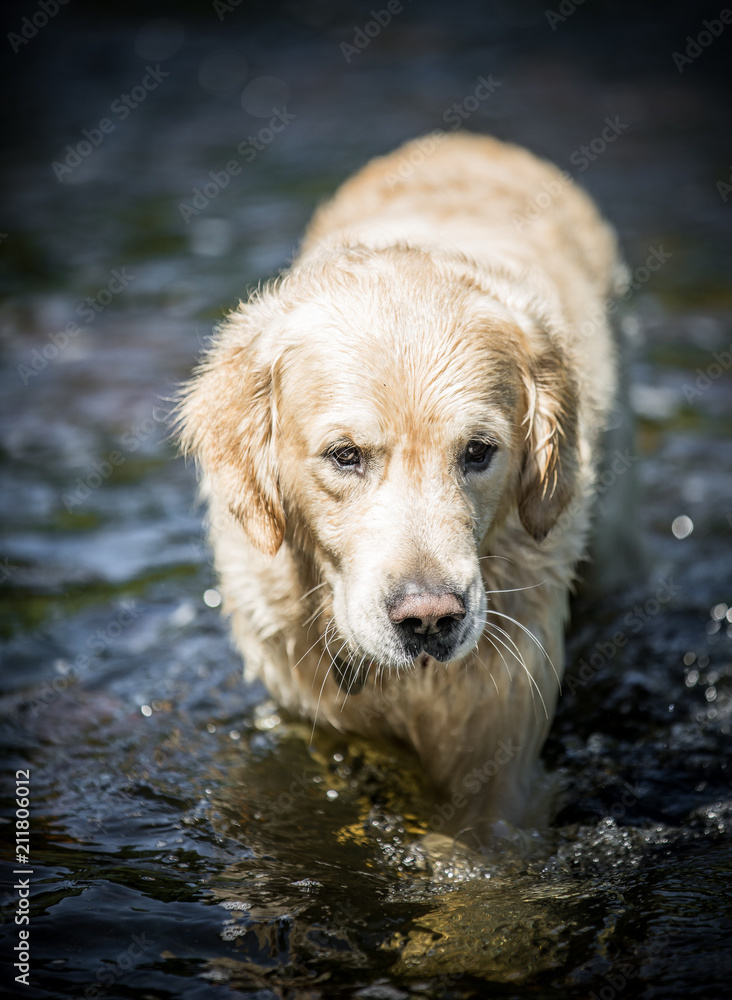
pixel 516 215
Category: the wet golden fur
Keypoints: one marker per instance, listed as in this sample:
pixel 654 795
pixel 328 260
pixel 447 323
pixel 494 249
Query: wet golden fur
pixel 431 307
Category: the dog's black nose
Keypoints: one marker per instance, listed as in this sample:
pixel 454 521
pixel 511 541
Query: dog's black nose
pixel 427 621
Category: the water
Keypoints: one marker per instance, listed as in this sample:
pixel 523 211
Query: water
pixel 183 837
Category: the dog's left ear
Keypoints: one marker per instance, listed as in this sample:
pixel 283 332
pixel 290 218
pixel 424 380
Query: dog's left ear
pixel 549 474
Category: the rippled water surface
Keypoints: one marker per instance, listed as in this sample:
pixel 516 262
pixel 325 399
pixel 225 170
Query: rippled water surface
pixel 185 840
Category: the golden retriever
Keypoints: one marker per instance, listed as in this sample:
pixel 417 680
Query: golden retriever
pixel 398 441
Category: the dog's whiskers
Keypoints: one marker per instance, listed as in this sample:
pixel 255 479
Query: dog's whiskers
pixel 354 677
pixel 312 590
pixel 516 652
pixel 486 667
pixel 491 639
pixel 517 590
pixel 513 649
pixel 530 634
pixel 309 649
pixel 320 608
pixel 317 707
pixel 329 626
pixel 335 660
pixel 322 652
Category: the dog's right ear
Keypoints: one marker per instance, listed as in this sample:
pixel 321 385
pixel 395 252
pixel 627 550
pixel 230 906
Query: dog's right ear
pixel 551 461
pixel 225 421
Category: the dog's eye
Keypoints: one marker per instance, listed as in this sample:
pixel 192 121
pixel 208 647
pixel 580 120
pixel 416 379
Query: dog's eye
pixel 478 455
pixel 347 456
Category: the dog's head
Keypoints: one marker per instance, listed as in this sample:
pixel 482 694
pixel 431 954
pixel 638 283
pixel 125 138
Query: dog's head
pixel 382 413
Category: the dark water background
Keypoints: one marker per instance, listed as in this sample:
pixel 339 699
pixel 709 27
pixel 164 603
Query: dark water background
pixel 185 841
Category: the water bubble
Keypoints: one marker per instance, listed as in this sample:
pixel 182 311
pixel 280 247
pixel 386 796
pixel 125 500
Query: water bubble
pixel 719 611
pixel 267 722
pixel 211 598
pixel 682 526
pixel 159 38
pixel 146 711
pixel 689 658
pixel 264 95
pixel 631 327
pixel 331 794
pixel 222 71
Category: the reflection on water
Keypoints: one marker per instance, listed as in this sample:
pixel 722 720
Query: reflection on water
pixel 183 835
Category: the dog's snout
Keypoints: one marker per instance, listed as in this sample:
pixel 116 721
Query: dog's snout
pixel 427 614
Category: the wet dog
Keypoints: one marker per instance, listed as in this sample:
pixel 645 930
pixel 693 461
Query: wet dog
pixel 398 441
